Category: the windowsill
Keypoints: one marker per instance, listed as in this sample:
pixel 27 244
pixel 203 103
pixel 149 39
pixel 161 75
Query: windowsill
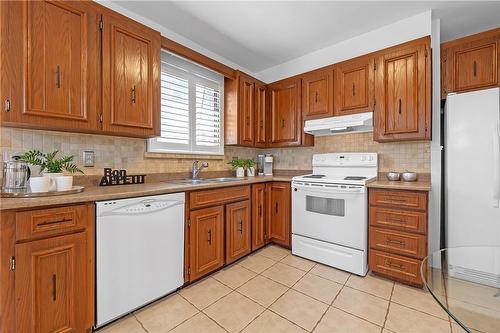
pixel 183 156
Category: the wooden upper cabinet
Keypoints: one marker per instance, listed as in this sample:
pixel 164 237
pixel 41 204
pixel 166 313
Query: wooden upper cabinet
pixel 354 86
pixel 50 63
pixel 238 230
pixel 131 77
pixel 260 115
pixel 52 285
pixel 285 127
pixel 247 110
pixel 206 235
pixel 403 93
pixel 471 62
pixel 278 212
pixel 317 94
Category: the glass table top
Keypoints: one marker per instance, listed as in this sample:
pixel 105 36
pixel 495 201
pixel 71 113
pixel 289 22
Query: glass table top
pixel 465 281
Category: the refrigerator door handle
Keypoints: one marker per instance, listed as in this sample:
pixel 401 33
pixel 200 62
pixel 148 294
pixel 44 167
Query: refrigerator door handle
pixel 496 166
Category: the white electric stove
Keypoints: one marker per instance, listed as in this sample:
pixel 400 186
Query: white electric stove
pixel 330 212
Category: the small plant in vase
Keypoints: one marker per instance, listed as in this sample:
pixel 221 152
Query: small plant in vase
pixel 53 167
pixel 250 167
pixel 238 165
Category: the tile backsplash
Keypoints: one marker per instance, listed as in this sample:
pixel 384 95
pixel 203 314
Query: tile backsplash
pixel 130 153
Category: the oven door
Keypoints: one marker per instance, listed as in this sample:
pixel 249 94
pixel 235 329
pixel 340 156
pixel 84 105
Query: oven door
pixel 331 213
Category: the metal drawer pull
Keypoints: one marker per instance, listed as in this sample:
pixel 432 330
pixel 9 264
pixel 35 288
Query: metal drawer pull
pixel 58 76
pixel 210 236
pixel 260 210
pixel 241 228
pixel 283 123
pixel 395 241
pixel 276 208
pixel 395 219
pixel 132 94
pixel 474 68
pixel 397 199
pixel 353 90
pixel 393 265
pixel 53 222
pixel 54 287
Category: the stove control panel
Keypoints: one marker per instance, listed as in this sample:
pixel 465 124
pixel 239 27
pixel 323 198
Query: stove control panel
pixel 345 159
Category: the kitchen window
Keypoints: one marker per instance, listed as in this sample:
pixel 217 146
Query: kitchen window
pixel 192 109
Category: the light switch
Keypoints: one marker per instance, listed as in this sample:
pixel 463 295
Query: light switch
pixel 88 158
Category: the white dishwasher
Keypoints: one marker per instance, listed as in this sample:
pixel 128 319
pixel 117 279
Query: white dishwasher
pixel 139 252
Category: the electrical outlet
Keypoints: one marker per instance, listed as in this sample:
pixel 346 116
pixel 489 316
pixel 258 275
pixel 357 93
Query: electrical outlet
pixel 88 158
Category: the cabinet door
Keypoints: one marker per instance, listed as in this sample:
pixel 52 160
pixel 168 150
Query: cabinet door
pixel 285 114
pixel 259 230
pixel 131 77
pixel 278 212
pixel 51 285
pixel 246 110
pixel 238 232
pixel 206 241
pixel 471 63
pixel 260 115
pixel 354 86
pixel 51 59
pixel 403 93
pixel 317 94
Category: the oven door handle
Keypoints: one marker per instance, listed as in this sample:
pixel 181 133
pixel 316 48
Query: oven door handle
pixel 323 189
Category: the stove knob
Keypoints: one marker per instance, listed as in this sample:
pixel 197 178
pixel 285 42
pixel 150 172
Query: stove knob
pixel 295 189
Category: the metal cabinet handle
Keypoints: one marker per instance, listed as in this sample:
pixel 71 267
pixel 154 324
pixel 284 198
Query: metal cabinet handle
pixel 49 222
pixel 240 229
pixel 316 97
pixel 395 242
pixel 210 236
pixel 132 94
pixel 248 120
pixel 393 265
pixel 353 89
pixel 54 287
pixel 262 123
pixel 260 210
pixel 283 123
pixel 400 106
pixel 474 68
pixel 395 219
pixel 58 76
pixel 276 208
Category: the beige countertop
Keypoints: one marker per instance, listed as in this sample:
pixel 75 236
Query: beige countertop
pixel 422 184
pixel 99 193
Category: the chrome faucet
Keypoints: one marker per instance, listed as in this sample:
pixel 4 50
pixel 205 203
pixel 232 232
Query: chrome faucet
pixel 196 169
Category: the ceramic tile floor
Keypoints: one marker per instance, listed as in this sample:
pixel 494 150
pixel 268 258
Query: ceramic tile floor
pixel 274 291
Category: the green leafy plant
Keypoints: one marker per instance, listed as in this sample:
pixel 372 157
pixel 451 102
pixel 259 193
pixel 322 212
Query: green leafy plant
pixel 237 163
pixel 49 162
pixel 250 164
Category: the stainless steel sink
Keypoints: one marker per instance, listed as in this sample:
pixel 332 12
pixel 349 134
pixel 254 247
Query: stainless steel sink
pixel 203 180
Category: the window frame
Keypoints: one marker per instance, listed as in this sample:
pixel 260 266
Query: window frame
pixel 194 77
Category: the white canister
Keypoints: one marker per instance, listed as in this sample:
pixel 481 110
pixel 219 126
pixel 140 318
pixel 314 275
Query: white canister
pixel 251 172
pixel 240 172
pixel 40 184
pixel 53 176
pixel 64 183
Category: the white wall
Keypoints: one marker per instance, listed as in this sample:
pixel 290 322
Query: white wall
pixel 435 194
pixel 396 33
pixel 170 34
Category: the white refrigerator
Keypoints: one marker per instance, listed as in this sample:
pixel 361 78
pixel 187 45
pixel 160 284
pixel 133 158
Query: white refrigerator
pixel 472 181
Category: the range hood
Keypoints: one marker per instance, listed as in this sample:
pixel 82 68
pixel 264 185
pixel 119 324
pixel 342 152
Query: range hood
pixel 358 122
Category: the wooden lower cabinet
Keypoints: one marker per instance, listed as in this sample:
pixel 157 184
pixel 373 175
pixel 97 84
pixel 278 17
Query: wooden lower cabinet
pixel 278 212
pixel 47 276
pixel 238 230
pixel 397 233
pixel 259 222
pixel 50 285
pixel 206 241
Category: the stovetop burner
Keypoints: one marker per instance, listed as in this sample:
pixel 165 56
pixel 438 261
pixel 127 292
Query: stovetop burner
pixel 315 176
pixel 354 178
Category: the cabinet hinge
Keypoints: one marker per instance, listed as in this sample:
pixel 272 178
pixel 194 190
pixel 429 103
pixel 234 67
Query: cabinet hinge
pixel 7 105
pixel 189 223
pixel 12 263
pixel 101 25
pixel 100 118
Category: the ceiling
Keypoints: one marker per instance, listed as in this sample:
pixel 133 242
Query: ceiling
pixel 261 34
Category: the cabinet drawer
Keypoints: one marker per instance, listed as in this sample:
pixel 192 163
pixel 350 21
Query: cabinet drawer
pixel 395 266
pixel 398 219
pixel 49 222
pixel 399 199
pixel 219 196
pixel 398 242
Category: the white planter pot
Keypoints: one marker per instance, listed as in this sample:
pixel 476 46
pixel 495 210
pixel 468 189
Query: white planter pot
pixel 53 176
pixel 240 172
pixel 251 172
pixel 64 183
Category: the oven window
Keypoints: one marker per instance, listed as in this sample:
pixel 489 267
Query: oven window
pixel 326 206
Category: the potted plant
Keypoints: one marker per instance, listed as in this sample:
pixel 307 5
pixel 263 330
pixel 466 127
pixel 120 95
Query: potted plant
pixel 53 167
pixel 250 167
pixel 238 165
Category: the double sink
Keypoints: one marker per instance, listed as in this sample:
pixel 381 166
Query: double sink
pixel 204 180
